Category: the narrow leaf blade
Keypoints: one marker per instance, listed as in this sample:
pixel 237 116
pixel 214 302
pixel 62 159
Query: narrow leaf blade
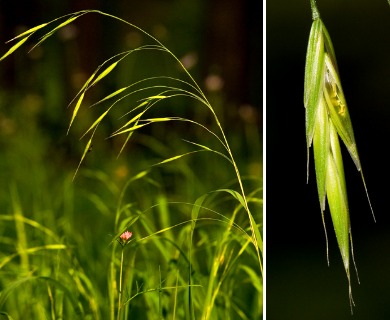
pixel 105 73
pixel 31 30
pixel 13 48
pixel 76 109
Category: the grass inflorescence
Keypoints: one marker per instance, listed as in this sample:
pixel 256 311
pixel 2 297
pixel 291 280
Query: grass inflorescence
pixel 327 120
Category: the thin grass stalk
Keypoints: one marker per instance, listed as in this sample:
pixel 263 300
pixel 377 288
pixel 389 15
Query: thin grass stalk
pixel 112 285
pixel 175 296
pixel 21 244
pixel 219 255
pixel 160 313
pixel 20 230
pixel 120 287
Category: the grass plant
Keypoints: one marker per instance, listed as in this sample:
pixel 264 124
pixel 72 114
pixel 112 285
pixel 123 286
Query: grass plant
pixel 195 249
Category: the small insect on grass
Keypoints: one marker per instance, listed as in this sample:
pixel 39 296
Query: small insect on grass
pixel 327 119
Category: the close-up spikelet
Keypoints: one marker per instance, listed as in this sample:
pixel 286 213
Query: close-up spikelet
pixel 327 119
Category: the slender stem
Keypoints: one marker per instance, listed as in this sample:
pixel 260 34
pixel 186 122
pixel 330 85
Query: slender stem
pixel 112 287
pixel 159 296
pixel 314 11
pixel 120 287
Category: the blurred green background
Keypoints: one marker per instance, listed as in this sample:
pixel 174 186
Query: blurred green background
pixel 300 285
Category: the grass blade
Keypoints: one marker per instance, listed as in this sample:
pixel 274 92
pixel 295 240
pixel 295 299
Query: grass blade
pixel 105 73
pixel 14 47
pixel 75 111
pixel 86 150
pixel 61 25
pixel 31 30
pixel 8 258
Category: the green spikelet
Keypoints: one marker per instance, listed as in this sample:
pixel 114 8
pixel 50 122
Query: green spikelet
pixel 327 119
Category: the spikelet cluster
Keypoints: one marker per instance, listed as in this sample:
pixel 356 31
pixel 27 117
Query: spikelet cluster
pixel 327 120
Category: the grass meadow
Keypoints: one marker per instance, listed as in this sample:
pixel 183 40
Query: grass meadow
pixel 143 148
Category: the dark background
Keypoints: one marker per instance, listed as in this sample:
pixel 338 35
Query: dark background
pixel 299 283
pixel 224 36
